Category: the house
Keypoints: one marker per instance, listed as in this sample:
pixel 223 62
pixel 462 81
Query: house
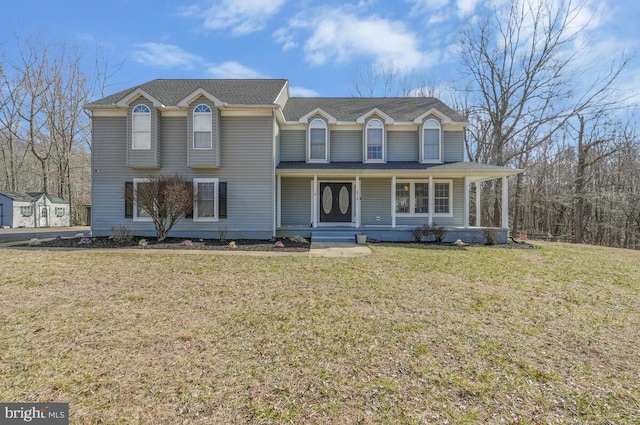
pixel 265 164
pixel 33 209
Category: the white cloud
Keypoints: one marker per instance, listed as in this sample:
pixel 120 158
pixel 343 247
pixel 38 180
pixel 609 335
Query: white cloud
pixel 286 38
pixel 303 92
pixel 232 69
pixel 165 55
pixel 466 7
pixel 424 6
pixel 342 36
pixel 241 16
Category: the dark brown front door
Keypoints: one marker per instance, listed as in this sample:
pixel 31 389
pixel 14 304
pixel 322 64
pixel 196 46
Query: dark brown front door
pixel 335 202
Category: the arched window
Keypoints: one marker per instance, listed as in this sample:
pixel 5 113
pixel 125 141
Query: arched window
pixel 202 125
pixel 318 141
pixel 431 141
pixel 374 141
pixel 141 127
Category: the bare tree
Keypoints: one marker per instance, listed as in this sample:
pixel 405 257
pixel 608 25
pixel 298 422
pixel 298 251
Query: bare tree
pixel 165 198
pixel 520 65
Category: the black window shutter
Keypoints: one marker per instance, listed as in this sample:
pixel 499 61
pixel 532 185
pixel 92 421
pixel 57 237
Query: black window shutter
pixel 222 200
pixel 190 187
pixel 128 195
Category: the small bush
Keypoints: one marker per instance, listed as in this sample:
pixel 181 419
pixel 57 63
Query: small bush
pixel 142 242
pixel 439 233
pixel 79 235
pixel 419 232
pixel 85 241
pixel 187 242
pixel 298 239
pixel 34 242
pixel 122 233
pixel 490 236
pixel 424 231
pixel 279 244
pixel 223 229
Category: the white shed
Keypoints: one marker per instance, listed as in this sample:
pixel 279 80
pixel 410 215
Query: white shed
pixel 33 209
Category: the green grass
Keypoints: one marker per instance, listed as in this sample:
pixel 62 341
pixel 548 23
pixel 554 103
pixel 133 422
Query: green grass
pixel 407 335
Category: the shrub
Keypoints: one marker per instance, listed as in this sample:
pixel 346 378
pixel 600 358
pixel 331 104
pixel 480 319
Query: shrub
pixel 279 244
pixel 418 232
pixel 298 239
pixel 424 231
pixel 223 229
pixel 439 233
pixel 142 242
pixel 85 241
pixel 490 236
pixel 79 235
pixel 34 242
pixel 122 233
pixel 187 242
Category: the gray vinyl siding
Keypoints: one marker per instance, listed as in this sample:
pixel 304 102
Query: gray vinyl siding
pixel 345 146
pixel 250 178
pixel 402 146
pixel 458 210
pixel 293 145
pixel 204 158
pixel 453 148
pixel 295 202
pixel 375 201
pixel 143 158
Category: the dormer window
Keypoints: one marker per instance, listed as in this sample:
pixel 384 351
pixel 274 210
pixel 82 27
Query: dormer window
pixel 431 146
pixel 202 124
pixel 374 141
pixel 318 150
pixel 141 127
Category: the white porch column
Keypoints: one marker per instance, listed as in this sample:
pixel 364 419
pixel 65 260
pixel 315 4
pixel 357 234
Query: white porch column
pixel 478 209
pixel 466 202
pixel 505 203
pixel 357 201
pixel 393 202
pixel 279 202
pixel 314 204
pixel 432 197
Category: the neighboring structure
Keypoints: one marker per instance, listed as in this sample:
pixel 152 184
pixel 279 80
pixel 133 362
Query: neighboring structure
pixel 264 164
pixel 33 209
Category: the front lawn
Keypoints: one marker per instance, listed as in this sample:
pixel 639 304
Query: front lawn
pixel 410 334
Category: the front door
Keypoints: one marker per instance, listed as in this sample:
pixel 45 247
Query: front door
pixel 335 202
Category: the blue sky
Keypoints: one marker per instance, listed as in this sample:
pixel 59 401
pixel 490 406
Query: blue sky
pixel 318 46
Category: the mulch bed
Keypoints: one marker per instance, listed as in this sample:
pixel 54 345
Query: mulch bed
pixel 177 243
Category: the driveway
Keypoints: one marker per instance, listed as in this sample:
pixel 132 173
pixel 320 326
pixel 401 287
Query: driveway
pixel 20 234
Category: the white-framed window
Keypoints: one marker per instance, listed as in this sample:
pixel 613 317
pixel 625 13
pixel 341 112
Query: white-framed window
pixel 412 198
pixel 141 127
pixel 26 211
pixel 431 141
pixel 206 199
pixel 139 213
pixel 59 211
pixel 374 141
pixel 318 139
pixel 202 127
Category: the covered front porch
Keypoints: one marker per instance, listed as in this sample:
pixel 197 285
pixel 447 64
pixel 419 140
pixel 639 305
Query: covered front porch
pixel 386 201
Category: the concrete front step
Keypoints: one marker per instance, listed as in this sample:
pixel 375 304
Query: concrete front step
pixel 335 236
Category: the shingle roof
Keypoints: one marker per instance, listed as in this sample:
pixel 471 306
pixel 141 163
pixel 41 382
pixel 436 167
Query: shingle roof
pixel 18 196
pixel 349 108
pixel 233 92
pixel 52 198
pixel 451 167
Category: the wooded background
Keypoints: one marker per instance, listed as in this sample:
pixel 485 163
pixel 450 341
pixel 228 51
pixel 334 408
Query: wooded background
pixel 531 99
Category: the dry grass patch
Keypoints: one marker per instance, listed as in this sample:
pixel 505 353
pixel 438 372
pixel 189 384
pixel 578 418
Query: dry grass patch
pixel 406 335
